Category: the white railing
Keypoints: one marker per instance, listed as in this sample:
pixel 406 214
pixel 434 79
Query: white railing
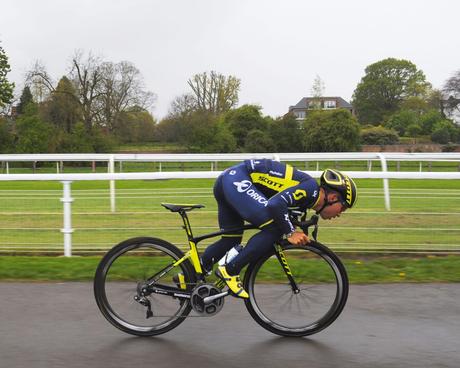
pixel 111 176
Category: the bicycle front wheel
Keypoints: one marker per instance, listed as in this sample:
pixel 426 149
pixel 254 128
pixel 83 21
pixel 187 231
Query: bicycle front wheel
pixel 128 266
pixel 318 299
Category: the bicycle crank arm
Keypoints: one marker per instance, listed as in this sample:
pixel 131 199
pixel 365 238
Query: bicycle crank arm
pixel 211 298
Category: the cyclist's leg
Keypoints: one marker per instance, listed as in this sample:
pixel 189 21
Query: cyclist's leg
pixel 251 205
pixel 257 246
pixel 228 219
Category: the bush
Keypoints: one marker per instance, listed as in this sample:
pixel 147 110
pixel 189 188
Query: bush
pixel 331 131
pixel 450 147
pixel 379 136
pixel 401 120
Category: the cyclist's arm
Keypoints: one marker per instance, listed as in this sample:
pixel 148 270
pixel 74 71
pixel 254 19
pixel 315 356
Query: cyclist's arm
pixel 303 195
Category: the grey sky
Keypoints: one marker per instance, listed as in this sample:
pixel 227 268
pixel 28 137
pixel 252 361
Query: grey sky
pixel 276 47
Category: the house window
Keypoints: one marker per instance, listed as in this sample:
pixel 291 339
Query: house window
pixel 300 114
pixel 330 104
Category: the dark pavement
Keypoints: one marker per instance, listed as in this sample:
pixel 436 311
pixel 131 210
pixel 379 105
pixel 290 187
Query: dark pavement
pixel 403 325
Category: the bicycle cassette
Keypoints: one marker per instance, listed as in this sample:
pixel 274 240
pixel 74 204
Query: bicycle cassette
pixel 209 308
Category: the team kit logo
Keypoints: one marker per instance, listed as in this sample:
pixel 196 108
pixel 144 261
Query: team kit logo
pixel 244 187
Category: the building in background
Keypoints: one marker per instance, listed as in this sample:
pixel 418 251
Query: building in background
pixel 307 104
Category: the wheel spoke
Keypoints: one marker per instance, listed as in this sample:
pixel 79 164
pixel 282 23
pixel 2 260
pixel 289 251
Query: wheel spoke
pixel 125 268
pixel 315 271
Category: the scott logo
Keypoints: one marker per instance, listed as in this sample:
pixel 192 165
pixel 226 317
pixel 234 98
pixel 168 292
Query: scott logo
pixel 299 194
pixel 242 186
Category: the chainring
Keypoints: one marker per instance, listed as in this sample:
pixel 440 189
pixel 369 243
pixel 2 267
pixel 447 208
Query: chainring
pixel 202 291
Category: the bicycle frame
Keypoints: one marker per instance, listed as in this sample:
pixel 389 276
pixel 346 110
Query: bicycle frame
pixel 194 258
pixel 193 254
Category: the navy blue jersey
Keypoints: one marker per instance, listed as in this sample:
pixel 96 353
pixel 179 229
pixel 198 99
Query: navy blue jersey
pixel 284 187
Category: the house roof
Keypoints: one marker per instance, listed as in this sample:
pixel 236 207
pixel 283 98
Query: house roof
pixel 304 102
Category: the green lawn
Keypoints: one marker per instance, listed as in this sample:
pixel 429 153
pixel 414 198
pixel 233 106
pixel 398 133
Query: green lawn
pixel 369 269
pixel 424 215
pixel 424 218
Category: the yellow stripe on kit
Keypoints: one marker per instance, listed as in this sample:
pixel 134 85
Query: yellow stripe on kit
pixel 273 182
pixel 266 223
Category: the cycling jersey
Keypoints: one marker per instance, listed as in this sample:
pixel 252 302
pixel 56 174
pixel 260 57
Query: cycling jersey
pixel 260 192
pixel 285 187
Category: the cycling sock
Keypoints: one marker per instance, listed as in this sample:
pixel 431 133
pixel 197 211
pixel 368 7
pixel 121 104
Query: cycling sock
pixel 216 251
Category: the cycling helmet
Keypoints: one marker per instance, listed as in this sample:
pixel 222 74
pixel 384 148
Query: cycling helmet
pixel 341 183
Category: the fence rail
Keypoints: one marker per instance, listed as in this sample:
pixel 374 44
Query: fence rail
pixel 67 178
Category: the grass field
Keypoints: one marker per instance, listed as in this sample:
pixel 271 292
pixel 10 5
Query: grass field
pixel 424 220
pixel 370 269
pixel 425 215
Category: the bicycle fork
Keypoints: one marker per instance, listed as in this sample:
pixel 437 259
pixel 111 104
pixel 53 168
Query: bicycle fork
pixel 287 270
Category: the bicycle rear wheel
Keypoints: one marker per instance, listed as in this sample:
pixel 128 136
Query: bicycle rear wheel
pixel 124 269
pixel 323 290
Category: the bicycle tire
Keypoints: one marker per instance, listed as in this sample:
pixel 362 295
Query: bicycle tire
pixel 117 278
pixel 328 279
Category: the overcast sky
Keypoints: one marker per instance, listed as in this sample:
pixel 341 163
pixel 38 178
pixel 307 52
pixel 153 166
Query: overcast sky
pixel 276 47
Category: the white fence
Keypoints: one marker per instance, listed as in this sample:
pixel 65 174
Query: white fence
pixel 68 178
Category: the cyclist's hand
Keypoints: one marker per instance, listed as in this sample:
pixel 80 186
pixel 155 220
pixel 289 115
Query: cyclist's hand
pixel 298 238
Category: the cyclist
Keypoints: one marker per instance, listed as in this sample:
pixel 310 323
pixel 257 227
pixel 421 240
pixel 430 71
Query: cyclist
pixel 260 192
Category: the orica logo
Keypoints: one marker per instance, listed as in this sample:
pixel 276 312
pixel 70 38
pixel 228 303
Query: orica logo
pixel 242 186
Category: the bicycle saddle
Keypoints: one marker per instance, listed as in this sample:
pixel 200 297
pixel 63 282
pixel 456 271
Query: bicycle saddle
pixel 181 207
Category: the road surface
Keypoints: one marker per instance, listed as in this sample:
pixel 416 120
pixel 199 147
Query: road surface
pixel 398 325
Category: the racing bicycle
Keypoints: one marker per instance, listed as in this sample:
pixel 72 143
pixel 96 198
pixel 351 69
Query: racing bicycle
pixel 147 286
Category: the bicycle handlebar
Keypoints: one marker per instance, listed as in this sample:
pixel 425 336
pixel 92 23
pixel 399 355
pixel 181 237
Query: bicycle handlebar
pixel 304 225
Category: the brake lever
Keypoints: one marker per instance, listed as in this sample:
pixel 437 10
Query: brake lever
pixel 314 233
pixel 313 221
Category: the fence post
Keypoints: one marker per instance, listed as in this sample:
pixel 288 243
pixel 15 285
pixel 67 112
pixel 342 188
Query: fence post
pixel 8 167
pixel 386 190
pixel 67 228
pixel 112 183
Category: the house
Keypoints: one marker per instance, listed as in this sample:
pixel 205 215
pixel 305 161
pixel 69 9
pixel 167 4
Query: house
pixel 324 103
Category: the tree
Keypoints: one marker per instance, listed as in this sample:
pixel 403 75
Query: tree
pixel 24 100
pixel 287 134
pixel 259 141
pixel 63 107
pixel 170 129
pixel 199 129
pixel 215 92
pixel 40 82
pixel 451 92
pixel 429 119
pixel 317 91
pixel 121 88
pixel 244 119
pixel 182 105
pixel 6 137
pixel 86 75
pixel 331 131
pixel 6 88
pixel 135 125
pixel 34 135
pixel 386 84
pixel 103 90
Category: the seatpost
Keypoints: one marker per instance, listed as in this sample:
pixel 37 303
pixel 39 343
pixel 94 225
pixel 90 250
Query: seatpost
pixel 186 226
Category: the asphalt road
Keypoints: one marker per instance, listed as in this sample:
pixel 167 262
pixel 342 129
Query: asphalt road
pixel 404 325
